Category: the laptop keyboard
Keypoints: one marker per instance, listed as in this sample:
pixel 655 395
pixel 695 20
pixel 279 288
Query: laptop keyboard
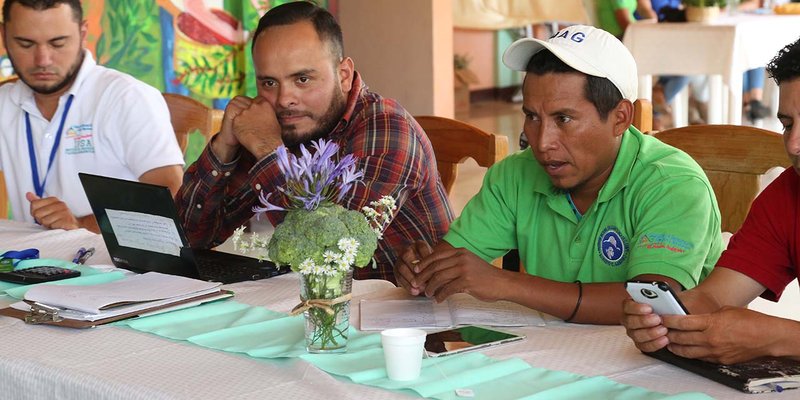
pixel 213 269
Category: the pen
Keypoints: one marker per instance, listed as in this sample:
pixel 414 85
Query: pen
pixel 83 255
pixel 78 255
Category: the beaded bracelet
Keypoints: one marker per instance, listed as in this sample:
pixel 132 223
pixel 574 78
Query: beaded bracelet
pixel 578 303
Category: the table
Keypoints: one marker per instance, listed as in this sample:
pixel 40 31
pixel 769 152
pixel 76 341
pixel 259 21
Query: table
pixel 494 14
pixel 723 49
pixel 114 362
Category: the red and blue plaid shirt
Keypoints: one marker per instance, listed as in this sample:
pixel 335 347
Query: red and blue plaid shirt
pixel 393 151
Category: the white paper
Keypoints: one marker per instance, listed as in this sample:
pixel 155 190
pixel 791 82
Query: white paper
pixel 458 310
pixel 417 313
pixel 149 287
pixel 467 310
pixel 82 316
pixel 145 231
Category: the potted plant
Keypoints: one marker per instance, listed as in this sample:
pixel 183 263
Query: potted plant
pixel 703 10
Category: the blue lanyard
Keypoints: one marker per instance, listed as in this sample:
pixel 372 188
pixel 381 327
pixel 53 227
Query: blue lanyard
pixel 39 188
pixel 574 209
pixel 17 256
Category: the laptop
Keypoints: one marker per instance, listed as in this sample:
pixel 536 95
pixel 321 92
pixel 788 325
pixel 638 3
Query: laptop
pixel 140 226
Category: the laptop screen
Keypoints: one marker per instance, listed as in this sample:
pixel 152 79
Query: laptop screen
pixel 140 226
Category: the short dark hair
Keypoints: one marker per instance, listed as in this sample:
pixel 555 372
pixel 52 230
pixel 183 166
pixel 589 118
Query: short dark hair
pixel 77 10
pixel 325 24
pixel 786 65
pixel 598 91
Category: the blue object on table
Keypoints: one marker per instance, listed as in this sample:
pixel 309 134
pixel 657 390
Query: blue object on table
pixel 11 258
pixel 83 255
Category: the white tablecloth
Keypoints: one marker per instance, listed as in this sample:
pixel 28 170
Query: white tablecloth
pixel 44 362
pixel 723 49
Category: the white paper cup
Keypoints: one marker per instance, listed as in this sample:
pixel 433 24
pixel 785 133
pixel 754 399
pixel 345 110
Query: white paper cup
pixel 402 349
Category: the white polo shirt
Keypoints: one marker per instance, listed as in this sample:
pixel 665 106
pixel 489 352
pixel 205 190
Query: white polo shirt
pixel 116 126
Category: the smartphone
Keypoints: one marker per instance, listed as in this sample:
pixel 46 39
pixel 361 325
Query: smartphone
pixel 658 295
pixel 44 273
pixel 466 338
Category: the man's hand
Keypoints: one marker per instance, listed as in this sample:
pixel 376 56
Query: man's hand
pixel 448 271
pixel 51 212
pixel 727 336
pixel 251 123
pixel 406 268
pixel 643 326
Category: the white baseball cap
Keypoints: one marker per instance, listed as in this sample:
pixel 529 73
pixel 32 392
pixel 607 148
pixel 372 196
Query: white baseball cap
pixel 588 49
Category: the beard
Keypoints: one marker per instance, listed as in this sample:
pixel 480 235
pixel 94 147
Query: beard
pixel 56 87
pixel 325 123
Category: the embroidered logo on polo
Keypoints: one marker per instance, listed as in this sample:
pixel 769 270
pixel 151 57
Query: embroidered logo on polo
pixel 82 139
pixel 612 246
pixel 664 241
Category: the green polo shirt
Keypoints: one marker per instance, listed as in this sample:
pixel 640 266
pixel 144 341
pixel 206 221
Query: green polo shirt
pixel 656 214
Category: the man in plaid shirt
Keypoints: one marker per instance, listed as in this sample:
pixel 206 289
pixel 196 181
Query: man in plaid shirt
pixel 308 90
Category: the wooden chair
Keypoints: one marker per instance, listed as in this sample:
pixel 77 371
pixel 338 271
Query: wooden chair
pixel 733 157
pixel 455 141
pixel 188 115
pixel 643 115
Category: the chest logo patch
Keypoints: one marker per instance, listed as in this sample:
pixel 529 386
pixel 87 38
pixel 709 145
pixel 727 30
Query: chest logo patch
pixel 612 246
pixel 82 139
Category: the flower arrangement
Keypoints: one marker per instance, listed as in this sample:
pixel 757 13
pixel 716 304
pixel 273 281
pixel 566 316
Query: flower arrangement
pixel 320 239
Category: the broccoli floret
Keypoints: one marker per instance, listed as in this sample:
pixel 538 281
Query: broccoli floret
pixel 308 234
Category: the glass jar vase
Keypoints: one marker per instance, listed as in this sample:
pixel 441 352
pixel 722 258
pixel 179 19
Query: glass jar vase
pixel 327 321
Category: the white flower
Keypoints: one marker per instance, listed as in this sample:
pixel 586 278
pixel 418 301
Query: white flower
pixel 348 245
pixel 329 256
pixel 369 212
pixel 307 267
pixel 388 202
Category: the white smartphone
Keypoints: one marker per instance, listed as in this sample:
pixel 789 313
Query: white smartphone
pixel 658 295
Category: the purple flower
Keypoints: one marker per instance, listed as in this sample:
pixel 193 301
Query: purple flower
pixel 312 179
pixel 267 206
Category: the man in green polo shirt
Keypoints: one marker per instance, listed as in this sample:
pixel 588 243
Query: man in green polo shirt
pixel 591 204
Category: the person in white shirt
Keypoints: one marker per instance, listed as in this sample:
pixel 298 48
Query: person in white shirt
pixel 66 115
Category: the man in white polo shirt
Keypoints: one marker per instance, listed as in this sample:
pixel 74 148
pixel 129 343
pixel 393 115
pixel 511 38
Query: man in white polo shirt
pixel 67 115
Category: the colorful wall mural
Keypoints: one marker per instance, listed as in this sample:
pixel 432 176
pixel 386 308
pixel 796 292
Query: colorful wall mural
pixel 197 48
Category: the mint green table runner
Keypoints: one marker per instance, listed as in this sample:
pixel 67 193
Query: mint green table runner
pixel 255 331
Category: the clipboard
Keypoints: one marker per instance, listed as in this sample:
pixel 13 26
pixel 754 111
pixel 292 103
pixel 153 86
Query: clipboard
pixel 42 314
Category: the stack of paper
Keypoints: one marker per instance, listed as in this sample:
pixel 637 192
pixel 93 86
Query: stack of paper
pixel 135 295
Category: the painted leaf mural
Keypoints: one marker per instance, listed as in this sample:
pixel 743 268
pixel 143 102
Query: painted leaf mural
pixel 196 48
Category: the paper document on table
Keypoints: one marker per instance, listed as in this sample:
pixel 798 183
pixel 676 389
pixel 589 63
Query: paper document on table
pixel 458 310
pixel 145 231
pixel 149 287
